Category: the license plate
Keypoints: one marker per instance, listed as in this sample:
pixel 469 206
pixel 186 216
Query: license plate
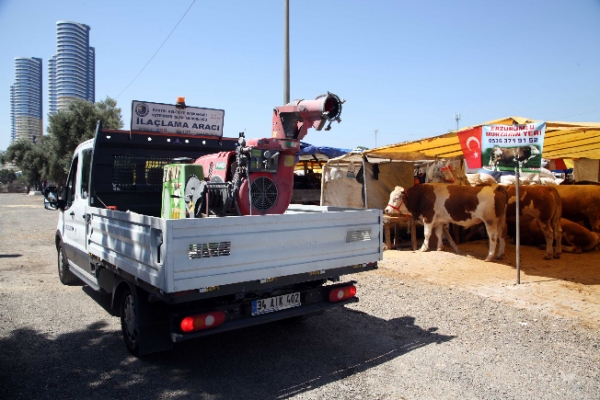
pixel 271 304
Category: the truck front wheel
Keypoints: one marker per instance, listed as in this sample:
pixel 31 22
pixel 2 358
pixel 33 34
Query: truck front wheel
pixel 130 322
pixel 64 273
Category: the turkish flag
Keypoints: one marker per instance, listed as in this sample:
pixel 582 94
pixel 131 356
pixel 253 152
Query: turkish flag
pixel 470 142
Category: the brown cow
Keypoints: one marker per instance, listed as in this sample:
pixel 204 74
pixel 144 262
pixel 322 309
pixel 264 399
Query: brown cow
pixel 575 238
pixel 581 202
pixel 438 204
pixel 542 203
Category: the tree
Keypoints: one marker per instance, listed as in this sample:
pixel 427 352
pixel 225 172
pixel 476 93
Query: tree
pixel 7 175
pixel 68 128
pixel 31 158
pixel 50 157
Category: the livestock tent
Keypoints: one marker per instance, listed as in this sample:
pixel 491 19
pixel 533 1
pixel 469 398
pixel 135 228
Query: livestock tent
pixel 388 166
pixel 562 140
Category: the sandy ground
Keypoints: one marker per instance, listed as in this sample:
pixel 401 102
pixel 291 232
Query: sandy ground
pixel 568 287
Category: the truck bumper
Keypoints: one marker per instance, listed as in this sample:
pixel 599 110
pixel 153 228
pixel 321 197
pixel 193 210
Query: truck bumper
pixel 307 310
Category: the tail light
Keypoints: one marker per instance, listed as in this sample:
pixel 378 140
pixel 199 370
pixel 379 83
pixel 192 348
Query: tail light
pixel 342 293
pixel 202 321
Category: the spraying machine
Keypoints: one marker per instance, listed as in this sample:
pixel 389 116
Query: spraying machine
pixel 257 178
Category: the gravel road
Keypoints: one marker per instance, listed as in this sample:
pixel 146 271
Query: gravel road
pixel 405 339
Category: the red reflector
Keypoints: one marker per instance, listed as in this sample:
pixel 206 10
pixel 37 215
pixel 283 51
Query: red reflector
pixel 342 293
pixel 202 321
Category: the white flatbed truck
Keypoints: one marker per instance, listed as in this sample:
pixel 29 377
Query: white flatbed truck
pixel 172 280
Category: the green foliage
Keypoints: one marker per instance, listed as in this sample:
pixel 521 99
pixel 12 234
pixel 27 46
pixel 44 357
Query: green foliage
pixel 50 157
pixel 31 158
pixel 67 129
pixel 7 175
pixel 362 148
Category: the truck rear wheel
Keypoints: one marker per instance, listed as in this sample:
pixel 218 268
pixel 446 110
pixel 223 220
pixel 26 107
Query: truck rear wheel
pixel 64 273
pixel 130 322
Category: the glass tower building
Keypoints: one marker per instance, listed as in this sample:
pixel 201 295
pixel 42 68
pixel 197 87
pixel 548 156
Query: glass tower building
pixel 26 99
pixel 72 70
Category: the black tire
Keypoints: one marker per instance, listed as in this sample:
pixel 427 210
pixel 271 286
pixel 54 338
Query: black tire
pixel 64 273
pixel 130 322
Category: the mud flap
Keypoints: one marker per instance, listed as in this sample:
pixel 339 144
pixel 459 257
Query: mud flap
pixel 154 328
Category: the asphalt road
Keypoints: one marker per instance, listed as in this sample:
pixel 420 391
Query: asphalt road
pixel 405 339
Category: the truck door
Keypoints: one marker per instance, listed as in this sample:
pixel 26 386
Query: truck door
pixel 75 214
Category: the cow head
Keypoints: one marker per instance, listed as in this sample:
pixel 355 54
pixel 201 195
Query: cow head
pixel 495 156
pixel 396 204
pixel 533 151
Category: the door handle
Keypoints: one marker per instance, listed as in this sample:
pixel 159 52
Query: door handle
pixel 72 213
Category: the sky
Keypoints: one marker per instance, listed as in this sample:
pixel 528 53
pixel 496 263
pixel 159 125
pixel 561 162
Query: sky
pixel 405 68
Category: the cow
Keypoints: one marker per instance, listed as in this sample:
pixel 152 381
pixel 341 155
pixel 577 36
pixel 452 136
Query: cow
pixel 438 204
pixel 575 238
pixel 511 155
pixel 543 204
pixel 571 181
pixel 581 203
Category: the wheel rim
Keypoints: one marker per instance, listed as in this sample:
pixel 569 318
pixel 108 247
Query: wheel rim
pixel 129 321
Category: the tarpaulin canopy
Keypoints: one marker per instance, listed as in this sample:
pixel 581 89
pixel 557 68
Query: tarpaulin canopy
pixel 313 157
pixel 310 152
pixel 572 140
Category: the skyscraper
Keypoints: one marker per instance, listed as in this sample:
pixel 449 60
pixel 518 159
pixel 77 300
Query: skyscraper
pixel 26 99
pixel 72 70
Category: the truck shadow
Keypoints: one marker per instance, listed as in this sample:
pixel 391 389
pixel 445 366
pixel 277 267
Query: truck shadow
pixel 273 361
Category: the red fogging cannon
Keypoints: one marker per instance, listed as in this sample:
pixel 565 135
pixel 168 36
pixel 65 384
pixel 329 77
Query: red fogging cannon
pixel 258 177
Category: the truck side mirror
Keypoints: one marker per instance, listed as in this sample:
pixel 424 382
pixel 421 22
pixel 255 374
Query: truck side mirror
pixel 51 200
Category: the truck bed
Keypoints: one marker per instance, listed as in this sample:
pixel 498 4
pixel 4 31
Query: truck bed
pixel 211 254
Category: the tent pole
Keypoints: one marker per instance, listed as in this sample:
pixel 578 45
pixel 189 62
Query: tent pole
pixel 517 227
pixel 364 171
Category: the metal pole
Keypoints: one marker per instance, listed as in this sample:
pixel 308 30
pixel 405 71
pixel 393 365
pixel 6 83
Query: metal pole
pixel 518 228
pixel 364 172
pixel 286 51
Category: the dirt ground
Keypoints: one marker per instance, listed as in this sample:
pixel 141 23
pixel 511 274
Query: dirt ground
pixel 567 287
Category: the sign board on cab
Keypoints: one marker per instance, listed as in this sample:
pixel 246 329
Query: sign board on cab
pixel 168 118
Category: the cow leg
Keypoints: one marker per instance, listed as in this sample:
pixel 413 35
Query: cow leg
pixel 450 239
pixel 549 236
pixel 595 224
pixel 492 231
pixel 569 245
pixel 557 228
pixel 572 249
pixel 502 232
pixel 440 237
pixel 427 228
pixel 501 245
